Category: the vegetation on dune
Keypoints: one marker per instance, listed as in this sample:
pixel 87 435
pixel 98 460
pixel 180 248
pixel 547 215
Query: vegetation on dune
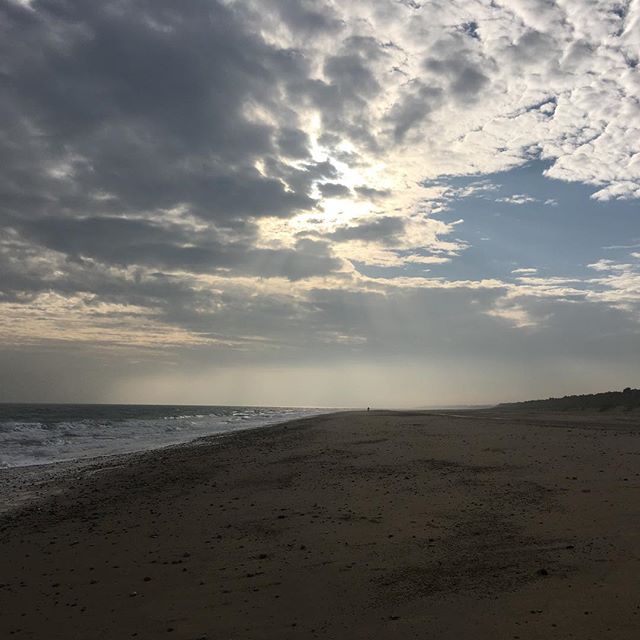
pixel 626 400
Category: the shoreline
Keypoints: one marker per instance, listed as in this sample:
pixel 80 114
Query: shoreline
pixel 33 435
pixel 23 485
pixel 343 525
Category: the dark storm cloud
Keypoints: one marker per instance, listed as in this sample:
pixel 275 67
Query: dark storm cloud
pixel 145 104
pixel 301 178
pixel 122 122
pixel 343 96
pixel 125 243
pixel 531 47
pixel 334 190
pixel 349 72
pixel 174 300
pixel 452 75
pixel 417 101
pixel 465 80
pixel 385 229
pixel 293 143
pixel 370 192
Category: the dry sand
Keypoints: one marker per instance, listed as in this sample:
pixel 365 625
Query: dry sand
pixel 353 525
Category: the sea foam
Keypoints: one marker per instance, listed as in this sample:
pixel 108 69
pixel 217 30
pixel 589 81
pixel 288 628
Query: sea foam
pixel 42 434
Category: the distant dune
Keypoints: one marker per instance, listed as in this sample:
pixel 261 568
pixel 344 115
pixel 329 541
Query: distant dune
pixel 626 400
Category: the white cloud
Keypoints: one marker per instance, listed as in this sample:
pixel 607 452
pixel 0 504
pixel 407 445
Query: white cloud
pixel 515 314
pixel 420 93
pixel 518 198
pixel 556 79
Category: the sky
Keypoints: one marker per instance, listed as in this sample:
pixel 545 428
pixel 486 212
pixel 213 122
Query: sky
pixel 387 203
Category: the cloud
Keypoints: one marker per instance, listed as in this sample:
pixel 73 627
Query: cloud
pixel 271 175
pixel 372 193
pixel 123 242
pixel 385 229
pixel 518 198
pixel 333 190
pixel 117 112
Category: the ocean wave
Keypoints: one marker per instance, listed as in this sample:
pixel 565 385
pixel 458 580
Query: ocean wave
pixel 77 431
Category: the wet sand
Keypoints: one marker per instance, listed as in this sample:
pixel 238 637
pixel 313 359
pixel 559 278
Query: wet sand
pixel 352 525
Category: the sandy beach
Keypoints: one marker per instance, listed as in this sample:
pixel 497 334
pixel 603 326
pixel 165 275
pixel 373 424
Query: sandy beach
pixel 350 525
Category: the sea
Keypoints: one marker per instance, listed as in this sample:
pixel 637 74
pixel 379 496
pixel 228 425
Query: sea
pixel 35 434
